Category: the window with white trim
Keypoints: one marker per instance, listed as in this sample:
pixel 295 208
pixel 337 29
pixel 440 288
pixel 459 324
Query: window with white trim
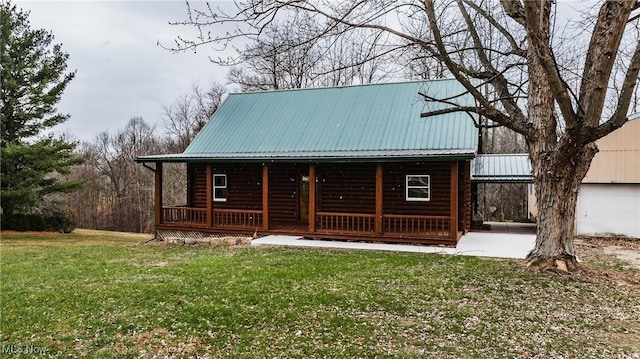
pixel 220 188
pixel 418 188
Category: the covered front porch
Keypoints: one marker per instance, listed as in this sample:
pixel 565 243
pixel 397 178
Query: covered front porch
pixel 348 201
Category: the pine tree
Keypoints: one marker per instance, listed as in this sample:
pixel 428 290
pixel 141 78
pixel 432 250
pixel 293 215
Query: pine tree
pixel 32 79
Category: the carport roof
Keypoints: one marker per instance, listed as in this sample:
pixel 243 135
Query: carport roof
pixel 505 168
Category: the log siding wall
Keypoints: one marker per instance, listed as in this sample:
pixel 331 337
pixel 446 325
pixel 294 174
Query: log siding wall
pixel 394 196
pixel 283 193
pixel 197 185
pixel 243 185
pixel 347 188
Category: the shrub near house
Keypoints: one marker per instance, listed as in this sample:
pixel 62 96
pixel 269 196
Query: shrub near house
pixel 56 222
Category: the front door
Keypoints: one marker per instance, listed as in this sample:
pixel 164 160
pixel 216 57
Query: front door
pixel 303 198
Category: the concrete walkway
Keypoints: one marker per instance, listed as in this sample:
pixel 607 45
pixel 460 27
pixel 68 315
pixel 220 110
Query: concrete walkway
pixel 504 240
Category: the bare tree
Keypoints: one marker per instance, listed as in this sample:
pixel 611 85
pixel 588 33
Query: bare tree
pixel 183 119
pixel 517 82
pixel 89 204
pixel 290 54
pixel 186 116
pixel 279 59
pixel 118 194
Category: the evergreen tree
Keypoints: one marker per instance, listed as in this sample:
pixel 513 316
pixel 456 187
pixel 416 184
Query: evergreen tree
pixel 32 80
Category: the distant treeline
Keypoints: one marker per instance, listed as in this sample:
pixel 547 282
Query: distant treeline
pixel 118 194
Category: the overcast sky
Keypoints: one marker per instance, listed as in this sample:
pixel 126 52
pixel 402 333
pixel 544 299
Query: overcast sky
pixel 121 71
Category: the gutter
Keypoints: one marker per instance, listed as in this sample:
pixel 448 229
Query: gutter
pixel 275 159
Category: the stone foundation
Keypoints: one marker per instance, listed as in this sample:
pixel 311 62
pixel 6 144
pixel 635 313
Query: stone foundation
pixel 173 237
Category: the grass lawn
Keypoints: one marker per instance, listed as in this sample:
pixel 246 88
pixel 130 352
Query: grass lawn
pixel 96 294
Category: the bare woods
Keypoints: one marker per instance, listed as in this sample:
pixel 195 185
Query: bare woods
pixel 118 193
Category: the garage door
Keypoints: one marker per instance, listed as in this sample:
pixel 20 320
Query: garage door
pixel 609 209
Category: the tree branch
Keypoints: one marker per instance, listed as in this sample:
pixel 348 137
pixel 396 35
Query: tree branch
pixel 533 12
pixel 605 40
pixel 516 50
pixel 514 9
pixel 619 117
pixel 491 114
pixel 497 79
pixel 517 121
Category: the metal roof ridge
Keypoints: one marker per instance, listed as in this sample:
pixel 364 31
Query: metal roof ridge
pixel 297 152
pixel 341 86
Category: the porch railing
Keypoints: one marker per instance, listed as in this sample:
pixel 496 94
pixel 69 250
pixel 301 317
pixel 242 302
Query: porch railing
pixel 186 216
pixel 328 222
pixel 237 218
pixel 345 222
pixel 197 217
pixel 416 225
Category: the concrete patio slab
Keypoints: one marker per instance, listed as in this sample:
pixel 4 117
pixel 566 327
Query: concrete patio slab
pixel 293 241
pixel 504 240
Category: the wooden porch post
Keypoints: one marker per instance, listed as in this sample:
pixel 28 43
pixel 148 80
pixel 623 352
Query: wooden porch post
pixel 158 189
pixel 209 182
pixel 265 196
pixel 312 198
pixel 453 202
pixel 379 204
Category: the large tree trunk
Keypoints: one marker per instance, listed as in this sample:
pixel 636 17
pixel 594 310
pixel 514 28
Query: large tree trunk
pixel 557 180
pixel 558 165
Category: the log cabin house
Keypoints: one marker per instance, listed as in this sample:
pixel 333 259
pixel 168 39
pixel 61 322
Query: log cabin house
pixel 354 163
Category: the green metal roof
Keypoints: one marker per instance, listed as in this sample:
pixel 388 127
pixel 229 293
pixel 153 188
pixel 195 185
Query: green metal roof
pixel 509 167
pixel 367 122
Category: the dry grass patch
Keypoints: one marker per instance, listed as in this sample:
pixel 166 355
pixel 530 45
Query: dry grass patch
pixel 613 260
pixel 121 235
pixel 77 238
